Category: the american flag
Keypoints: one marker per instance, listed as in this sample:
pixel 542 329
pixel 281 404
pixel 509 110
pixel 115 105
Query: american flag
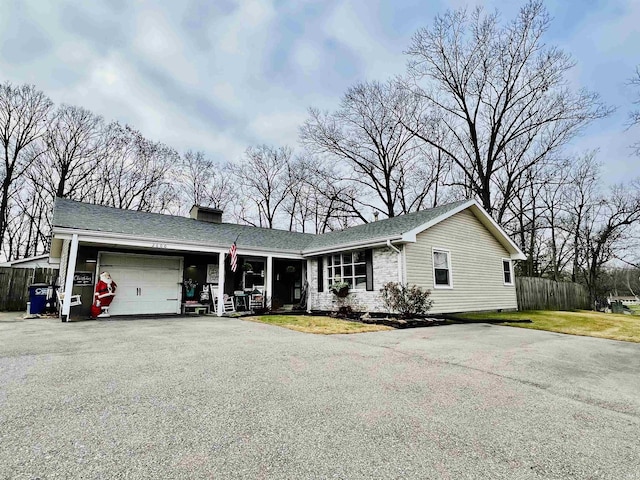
pixel 233 251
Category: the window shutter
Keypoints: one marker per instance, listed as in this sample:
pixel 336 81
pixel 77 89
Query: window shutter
pixel 368 258
pixel 320 275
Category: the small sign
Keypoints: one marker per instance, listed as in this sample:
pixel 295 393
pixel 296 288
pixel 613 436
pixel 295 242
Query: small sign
pixel 212 273
pixel 83 278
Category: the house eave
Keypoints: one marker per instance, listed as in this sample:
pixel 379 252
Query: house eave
pixel 373 243
pixel 164 244
pixel 514 251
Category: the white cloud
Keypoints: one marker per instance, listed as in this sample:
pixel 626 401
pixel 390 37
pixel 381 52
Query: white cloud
pixel 307 57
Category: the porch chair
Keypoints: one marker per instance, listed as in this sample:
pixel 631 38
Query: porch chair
pixel 228 303
pixel 75 299
pixel 256 300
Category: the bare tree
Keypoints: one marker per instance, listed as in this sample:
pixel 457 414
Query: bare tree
pixel 634 115
pixel 136 175
pixel 607 229
pixel 501 95
pixel 23 120
pixel 73 148
pixel 553 196
pixel 263 177
pixel 203 181
pixel 380 154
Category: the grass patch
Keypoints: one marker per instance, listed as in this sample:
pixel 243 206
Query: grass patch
pixel 319 325
pixel 580 322
pixel 635 309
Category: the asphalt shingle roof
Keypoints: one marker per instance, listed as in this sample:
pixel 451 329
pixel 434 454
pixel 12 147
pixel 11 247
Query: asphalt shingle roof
pixel 86 216
pixel 387 228
pixel 155 226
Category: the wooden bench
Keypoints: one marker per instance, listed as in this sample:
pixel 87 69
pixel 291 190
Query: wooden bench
pixel 197 308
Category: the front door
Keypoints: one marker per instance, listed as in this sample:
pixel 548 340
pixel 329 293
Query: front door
pixel 287 281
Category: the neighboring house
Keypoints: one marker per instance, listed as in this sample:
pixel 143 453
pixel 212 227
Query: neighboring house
pixel 39 261
pixel 625 300
pixel 457 251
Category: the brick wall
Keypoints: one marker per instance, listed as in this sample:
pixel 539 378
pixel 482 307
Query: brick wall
pixel 385 269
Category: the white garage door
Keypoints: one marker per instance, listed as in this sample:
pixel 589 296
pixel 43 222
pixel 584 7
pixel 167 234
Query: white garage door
pixel 147 284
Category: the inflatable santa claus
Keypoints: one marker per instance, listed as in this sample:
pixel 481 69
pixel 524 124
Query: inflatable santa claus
pixel 105 291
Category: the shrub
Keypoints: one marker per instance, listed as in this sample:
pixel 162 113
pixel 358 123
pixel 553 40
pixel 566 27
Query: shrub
pixel 407 300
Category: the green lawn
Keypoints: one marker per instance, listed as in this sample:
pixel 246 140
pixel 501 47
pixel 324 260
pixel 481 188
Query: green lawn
pixel 581 322
pixel 635 309
pixel 320 325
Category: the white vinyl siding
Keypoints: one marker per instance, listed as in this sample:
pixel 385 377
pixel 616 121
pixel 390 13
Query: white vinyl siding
pixel 475 258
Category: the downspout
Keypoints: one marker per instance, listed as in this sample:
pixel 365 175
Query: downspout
pixel 394 248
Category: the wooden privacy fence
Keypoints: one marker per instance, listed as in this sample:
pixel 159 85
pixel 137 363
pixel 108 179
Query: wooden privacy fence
pixel 543 294
pixel 14 285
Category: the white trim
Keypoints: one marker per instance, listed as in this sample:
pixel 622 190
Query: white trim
pixel 221 274
pixel 512 283
pixel 481 214
pixel 155 244
pixel 309 274
pixel 360 245
pixel 353 265
pixel 268 274
pixel 433 268
pixel 70 272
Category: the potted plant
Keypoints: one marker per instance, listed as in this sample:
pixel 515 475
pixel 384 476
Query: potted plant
pixel 247 267
pixel 340 289
pixel 190 287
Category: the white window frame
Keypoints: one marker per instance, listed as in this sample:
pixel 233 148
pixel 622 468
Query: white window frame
pixel 433 268
pixel 329 267
pixel 510 284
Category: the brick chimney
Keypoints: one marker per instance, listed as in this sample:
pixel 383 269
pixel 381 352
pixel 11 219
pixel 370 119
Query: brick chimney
pixel 206 214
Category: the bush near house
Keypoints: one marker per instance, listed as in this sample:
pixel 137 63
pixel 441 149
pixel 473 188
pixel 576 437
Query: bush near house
pixel 407 300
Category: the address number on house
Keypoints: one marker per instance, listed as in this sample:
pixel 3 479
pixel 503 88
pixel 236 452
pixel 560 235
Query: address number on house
pixel 159 245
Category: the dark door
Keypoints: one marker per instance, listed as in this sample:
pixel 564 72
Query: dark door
pixel 287 281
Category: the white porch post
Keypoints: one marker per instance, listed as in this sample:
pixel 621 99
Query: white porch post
pixel 68 282
pixel 269 280
pixel 220 284
pixel 308 273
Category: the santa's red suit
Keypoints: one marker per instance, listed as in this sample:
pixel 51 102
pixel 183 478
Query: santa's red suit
pixel 105 291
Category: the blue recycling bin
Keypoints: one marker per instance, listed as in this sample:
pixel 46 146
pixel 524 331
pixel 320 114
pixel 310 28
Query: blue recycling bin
pixel 38 298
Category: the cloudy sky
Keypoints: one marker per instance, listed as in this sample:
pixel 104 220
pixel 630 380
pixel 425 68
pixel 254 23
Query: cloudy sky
pixel 220 75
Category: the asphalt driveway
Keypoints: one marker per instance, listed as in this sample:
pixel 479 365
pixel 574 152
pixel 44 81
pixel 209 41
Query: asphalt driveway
pixel 225 398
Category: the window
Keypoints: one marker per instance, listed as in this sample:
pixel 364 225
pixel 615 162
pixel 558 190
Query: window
pixel 441 269
pixel 507 271
pixel 349 267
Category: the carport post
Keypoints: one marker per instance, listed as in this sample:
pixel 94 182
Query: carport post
pixel 269 282
pixel 68 282
pixel 220 284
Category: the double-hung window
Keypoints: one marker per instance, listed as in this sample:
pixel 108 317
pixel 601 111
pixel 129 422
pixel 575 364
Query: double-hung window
pixel 507 271
pixel 442 268
pixel 348 267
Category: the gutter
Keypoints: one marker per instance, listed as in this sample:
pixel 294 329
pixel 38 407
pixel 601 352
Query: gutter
pixel 393 247
pixel 375 242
